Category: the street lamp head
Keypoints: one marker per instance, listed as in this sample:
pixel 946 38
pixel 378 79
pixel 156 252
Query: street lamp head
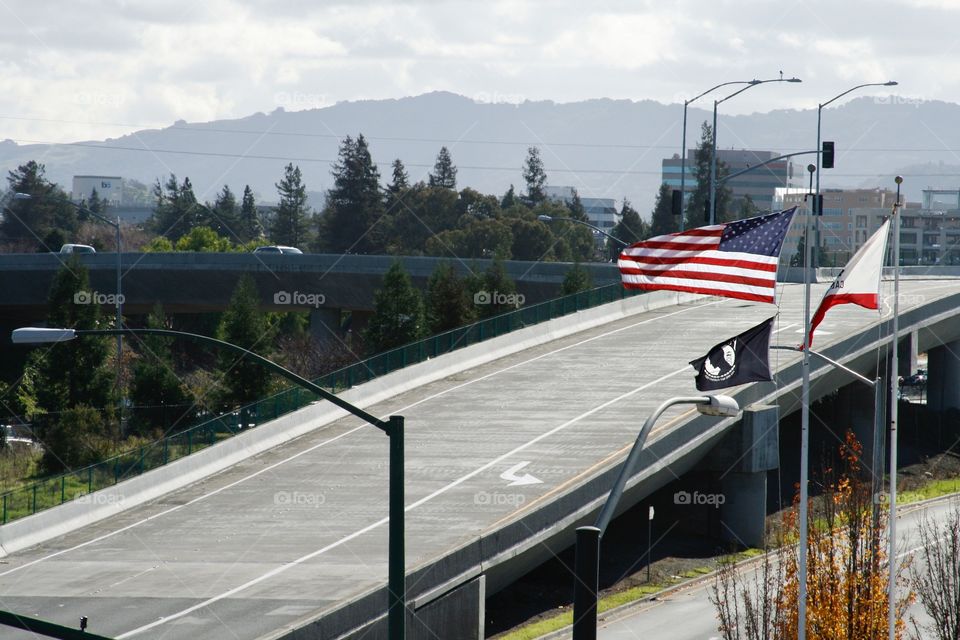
pixel 544 218
pixel 39 335
pixel 898 179
pixel 719 405
pixel 22 196
pixel 794 80
pixel 891 83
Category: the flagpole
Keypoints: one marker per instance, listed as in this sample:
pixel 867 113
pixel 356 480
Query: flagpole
pixel 894 389
pixel 804 428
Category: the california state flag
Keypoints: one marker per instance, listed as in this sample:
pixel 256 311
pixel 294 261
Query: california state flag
pixel 859 282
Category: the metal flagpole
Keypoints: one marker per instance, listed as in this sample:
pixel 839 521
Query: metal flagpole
pixel 894 389
pixel 804 428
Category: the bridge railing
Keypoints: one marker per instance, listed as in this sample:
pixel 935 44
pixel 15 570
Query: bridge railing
pixel 82 484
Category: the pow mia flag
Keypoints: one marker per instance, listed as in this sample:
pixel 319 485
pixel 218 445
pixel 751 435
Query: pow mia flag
pixel 741 359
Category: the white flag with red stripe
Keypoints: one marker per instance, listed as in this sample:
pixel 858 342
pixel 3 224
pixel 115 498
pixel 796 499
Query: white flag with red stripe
pixel 734 260
pixel 859 282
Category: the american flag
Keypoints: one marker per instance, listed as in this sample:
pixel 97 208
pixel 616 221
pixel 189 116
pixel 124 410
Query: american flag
pixel 734 260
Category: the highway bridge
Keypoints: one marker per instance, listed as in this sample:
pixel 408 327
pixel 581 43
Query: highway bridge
pixel 511 444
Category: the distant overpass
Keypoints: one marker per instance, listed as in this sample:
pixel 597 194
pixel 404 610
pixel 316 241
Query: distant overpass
pixel 190 282
pixel 511 444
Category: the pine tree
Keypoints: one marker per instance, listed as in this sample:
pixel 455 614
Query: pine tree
pixel 631 228
pixel 72 376
pixel 509 199
pixel 662 220
pixel 175 210
pixel 225 220
pixel 577 279
pixel 448 303
pixel 95 203
pixel 158 395
pixel 244 325
pixel 42 222
pixel 354 204
pixel 494 292
pixel 697 213
pixel 444 172
pixel 250 225
pixel 398 316
pixel 535 177
pixel 290 222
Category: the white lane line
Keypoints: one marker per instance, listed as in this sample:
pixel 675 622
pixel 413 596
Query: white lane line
pixel 331 440
pixel 277 570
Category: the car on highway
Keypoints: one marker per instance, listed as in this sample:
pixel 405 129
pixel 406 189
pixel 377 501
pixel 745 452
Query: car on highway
pixel 278 249
pixel 918 379
pixel 77 248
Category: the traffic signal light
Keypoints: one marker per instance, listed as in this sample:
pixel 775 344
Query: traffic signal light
pixel 826 155
pixel 676 202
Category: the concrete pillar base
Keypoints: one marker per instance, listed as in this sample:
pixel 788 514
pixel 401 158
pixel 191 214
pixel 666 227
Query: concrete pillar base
pixel 943 378
pixel 744 510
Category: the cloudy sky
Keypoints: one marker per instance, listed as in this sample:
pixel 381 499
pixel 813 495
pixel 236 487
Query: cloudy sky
pixel 91 69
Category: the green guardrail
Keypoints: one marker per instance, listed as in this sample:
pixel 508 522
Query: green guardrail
pixel 83 484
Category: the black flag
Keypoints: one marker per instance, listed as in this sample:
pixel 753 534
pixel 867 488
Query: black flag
pixel 741 359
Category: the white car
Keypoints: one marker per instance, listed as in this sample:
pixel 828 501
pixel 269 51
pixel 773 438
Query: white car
pixel 77 248
pixel 278 249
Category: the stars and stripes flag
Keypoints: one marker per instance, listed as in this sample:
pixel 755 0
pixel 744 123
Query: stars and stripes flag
pixel 859 282
pixel 733 260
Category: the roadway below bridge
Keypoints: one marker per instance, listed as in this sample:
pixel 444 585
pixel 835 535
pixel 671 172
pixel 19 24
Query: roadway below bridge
pixel 504 460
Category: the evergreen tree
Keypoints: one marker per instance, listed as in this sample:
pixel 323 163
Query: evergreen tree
pixel 448 303
pixel 158 396
pixel 494 292
pixel 250 225
pixel 225 220
pixel 398 316
pixel 444 173
pixel 72 376
pixel 42 222
pixel 535 177
pixel 631 228
pixel 401 181
pixel 96 204
pixel 354 205
pixel 509 199
pixel 747 208
pixel 175 210
pixel 662 220
pixel 577 279
pixel 244 325
pixel 290 222
pixel 698 213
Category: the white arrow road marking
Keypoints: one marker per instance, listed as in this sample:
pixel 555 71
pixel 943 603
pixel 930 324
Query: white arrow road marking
pixel 516 481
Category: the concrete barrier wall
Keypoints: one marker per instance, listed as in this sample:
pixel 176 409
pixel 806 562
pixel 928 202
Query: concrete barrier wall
pixel 56 521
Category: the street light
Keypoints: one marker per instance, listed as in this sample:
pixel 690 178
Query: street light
pixel 587 559
pixel 817 214
pixel 393 427
pixel 546 218
pixel 683 143
pixel 119 300
pixel 713 157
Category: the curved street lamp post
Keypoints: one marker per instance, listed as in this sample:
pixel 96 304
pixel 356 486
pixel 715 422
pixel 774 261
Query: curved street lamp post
pixel 713 158
pixel 393 427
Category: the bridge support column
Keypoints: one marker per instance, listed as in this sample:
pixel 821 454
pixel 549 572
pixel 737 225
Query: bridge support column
pixel 325 324
pixel 743 459
pixel 943 377
pixel 856 410
pixel 907 354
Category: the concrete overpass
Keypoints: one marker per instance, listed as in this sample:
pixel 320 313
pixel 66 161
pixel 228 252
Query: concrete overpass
pixel 511 445
pixel 189 282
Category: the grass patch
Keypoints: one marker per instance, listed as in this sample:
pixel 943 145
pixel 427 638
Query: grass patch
pixel 932 489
